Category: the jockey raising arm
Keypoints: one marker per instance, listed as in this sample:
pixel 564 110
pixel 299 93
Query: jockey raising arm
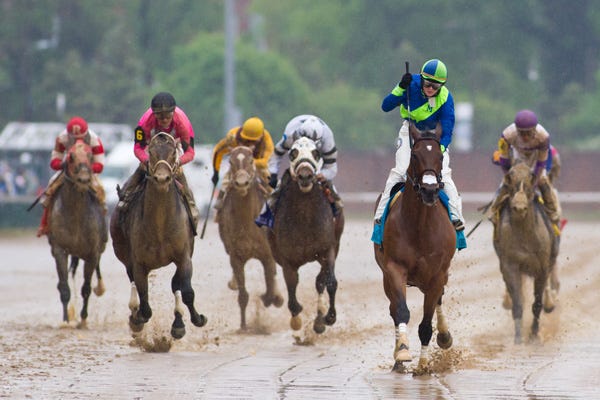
pixel 429 103
pixel 528 141
pixel 314 128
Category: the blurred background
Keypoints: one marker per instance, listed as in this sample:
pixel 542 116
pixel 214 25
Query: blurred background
pixel 227 60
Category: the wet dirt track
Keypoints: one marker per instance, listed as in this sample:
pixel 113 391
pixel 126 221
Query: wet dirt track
pixel 40 359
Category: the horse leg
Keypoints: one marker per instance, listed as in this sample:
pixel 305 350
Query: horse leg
pixel 86 290
pixel 271 295
pixel 551 291
pixel 290 274
pixel 539 283
pixel 60 258
pixel 100 288
pixel 143 312
pixel 430 302
pixel 395 286
pixel 326 279
pixel 512 279
pixel 444 338
pixel 182 281
pixel 237 265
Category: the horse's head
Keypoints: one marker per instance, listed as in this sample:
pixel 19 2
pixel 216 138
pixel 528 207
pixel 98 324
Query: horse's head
pixel 425 167
pixel 305 163
pixel 521 183
pixel 79 164
pixel 241 168
pixel 163 159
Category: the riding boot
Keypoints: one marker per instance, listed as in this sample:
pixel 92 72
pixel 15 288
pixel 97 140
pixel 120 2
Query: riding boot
pixel 188 197
pixel 550 200
pixel 130 186
pixel 494 209
pixel 43 229
pixel 219 202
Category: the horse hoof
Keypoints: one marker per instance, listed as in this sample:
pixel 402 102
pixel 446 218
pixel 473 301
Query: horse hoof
pixel 507 302
pixel 444 340
pixel 399 367
pixel 277 300
pixel 403 355
pixel 177 333
pixel 296 323
pixel 134 325
pixel 199 321
pixel 99 289
pixel 82 324
pixel 330 318
pixel 319 325
pixel 232 284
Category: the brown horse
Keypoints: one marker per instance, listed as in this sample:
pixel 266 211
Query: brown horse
pixel 305 230
pixel 242 238
pixel 153 232
pixel 418 245
pixel 77 226
pixel 526 244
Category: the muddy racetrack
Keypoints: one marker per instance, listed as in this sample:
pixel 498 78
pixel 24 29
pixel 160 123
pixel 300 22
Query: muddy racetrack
pixel 40 358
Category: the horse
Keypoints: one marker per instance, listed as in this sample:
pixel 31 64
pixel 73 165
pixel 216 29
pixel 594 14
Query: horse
pixel 419 242
pixel 526 245
pixel 305 230
pixel 77 228
pixel 242 238
pixel 154 231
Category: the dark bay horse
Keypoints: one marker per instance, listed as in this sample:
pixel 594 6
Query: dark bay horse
pixel 418 244
pixel 77 226
pixel 153 232
pixel 305 230
pixel 526 245
pixel 242 238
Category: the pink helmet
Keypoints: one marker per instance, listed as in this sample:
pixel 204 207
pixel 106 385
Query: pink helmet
pixel 525 119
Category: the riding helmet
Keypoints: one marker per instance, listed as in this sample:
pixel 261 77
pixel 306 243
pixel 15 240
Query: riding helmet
pixel 252 129
pixel 312 128
pixel 163 102
pixel 434 70
pixel 525 119
pixel 77 127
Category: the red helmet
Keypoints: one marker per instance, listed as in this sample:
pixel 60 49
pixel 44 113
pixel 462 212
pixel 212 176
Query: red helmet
pixel 525 119
pixel 77 127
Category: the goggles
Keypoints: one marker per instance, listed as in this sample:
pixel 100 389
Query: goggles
pixel 431 84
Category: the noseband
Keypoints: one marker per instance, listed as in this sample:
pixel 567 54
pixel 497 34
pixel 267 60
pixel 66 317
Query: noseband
pixel 171 167
pixel 416 180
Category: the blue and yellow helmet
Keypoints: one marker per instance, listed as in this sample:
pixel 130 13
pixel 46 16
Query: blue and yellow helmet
pixel 434 70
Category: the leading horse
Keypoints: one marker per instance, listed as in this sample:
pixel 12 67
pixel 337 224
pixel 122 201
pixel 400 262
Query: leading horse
pixel 242 238
pixel 526 245
pixel 418 244
pixel 305 230
pixel 77 226
pixel 154 231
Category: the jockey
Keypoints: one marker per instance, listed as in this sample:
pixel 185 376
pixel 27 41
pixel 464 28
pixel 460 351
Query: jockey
pixel 77 128
pixel 162 116
pixel 430 103
pixel 313 128
pixel 528 141
pixel 252 134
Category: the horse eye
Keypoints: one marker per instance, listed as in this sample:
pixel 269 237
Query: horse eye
pixel 293 154
pixel 316 155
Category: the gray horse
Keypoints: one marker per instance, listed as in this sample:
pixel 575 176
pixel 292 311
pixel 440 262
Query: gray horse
pixel 154 231
pixel 242 238
pixel 526 244
pixel 77 227
pixel 305 230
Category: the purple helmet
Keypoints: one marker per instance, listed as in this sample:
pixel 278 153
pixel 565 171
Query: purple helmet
pixel 526 119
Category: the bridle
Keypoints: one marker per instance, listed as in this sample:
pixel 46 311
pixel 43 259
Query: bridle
pixel 172 167
pixel 416 179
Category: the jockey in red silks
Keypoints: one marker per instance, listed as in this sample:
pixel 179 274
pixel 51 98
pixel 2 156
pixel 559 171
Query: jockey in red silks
pixel 77 128
pixel 162 116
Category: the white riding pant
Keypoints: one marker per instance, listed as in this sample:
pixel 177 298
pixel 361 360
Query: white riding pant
pixel 398 174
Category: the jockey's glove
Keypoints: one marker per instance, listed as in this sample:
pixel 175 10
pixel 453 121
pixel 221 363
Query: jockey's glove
pixel 273 181
pixel 405 81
